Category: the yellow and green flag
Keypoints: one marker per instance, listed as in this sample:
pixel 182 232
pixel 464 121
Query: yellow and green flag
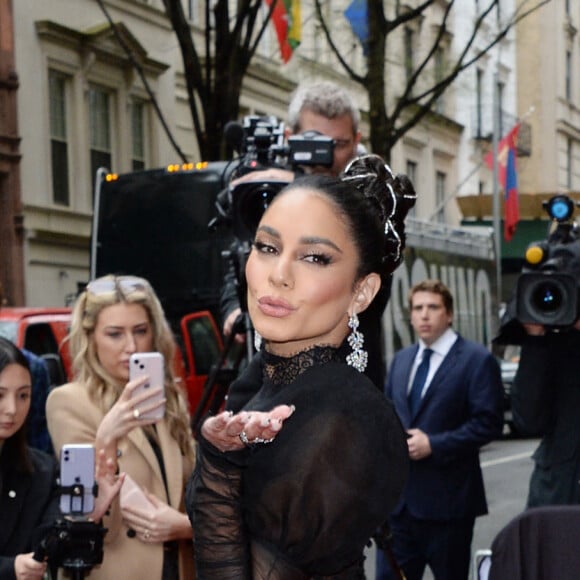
pixel 288 25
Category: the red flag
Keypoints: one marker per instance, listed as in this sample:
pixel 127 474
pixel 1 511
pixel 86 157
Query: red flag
pixel 512 208
pixel 508 179
pixel 287 22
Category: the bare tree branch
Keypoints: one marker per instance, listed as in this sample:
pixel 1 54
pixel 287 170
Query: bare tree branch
pixel 410 106
pixel 214 77
pixel 349 70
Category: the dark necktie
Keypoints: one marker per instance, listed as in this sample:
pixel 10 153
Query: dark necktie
pixel 419 382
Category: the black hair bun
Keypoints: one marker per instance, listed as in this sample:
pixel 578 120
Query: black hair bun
pixel 391 195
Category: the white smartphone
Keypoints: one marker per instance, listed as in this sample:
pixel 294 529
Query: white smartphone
pixel 77 467
pixel 151 364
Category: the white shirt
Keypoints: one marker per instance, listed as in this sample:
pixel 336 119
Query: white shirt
pixel 440 348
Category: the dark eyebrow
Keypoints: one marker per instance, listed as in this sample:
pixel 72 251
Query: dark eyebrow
pixel 306 240
pixel 316 240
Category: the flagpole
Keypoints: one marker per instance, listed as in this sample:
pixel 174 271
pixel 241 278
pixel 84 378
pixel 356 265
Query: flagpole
pixel 496 200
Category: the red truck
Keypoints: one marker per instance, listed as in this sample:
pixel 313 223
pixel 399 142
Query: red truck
pixel 43 331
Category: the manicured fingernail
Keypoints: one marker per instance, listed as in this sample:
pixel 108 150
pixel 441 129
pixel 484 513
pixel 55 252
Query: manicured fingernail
pixel 276 425
pixel 265 422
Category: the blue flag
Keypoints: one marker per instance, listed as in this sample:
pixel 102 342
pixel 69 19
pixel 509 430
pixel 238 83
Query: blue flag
pixel 358 18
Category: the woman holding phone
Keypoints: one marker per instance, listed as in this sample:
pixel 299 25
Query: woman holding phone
pixel 148 536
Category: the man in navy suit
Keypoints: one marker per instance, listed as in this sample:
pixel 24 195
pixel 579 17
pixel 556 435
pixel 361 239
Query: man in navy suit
pixel 448 394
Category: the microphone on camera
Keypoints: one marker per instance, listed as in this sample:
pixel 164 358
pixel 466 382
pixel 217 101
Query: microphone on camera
pixel 234 135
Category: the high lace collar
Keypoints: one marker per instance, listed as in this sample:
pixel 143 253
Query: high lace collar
pixel 278 370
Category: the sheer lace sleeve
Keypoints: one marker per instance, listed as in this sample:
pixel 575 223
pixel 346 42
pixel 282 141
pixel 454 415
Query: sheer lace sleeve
pixel 214 508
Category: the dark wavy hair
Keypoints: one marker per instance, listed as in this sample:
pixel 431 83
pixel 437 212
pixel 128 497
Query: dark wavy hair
pixel 374 203
pixel 15 453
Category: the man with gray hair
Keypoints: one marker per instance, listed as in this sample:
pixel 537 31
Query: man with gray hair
pixel 329 109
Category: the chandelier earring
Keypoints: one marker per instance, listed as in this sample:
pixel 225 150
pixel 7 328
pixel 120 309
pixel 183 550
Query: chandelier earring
pixel 359 357
pixel 257 341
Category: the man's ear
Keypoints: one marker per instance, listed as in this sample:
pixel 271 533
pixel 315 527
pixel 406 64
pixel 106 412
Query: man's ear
pixel 366 290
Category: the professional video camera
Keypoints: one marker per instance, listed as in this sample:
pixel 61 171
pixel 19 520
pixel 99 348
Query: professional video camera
pixel 260 143
pixel 548 289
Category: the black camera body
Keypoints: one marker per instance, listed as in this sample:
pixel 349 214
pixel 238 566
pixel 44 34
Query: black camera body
pixel 73 544
pixel 548 289
pixel 262 147
pixel 310 148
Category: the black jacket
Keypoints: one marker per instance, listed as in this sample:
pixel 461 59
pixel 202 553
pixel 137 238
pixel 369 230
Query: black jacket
pixel 546 402
pixel 29 505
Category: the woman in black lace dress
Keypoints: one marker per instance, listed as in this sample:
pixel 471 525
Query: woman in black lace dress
pixel 309 458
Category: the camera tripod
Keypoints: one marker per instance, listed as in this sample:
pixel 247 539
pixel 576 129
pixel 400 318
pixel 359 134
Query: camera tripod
pixel 220 377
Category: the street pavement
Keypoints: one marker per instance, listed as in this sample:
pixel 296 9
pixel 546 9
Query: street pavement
pixel 506 466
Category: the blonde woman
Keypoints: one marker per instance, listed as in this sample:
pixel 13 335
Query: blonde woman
pixel 113 318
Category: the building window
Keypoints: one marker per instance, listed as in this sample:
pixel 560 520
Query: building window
pixel 412 175
pixel 439 76
pixel 412 171
pixel 479 103
pixel 440 187
pixel 100 129
pixel 193 10
pixel 138 135
pixel 408 53
pixel 568 75
pixel 57 91
pixel 500 99
pixel 569 162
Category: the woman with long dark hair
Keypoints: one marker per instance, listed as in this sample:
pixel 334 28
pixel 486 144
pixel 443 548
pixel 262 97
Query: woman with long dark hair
pixel 28 477
pixel 309 458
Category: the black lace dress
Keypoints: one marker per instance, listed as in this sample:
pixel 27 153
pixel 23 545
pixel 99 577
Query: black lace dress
pixel 305 505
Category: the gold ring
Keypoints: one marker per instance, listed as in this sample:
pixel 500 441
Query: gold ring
pixel 136 413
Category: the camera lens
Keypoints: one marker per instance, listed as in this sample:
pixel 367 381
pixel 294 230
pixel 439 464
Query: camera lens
pixel 254 206
pixel 250 201
pixel 547 297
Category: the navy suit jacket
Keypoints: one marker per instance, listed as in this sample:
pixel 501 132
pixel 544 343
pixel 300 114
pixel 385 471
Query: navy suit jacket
pixel 460 412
